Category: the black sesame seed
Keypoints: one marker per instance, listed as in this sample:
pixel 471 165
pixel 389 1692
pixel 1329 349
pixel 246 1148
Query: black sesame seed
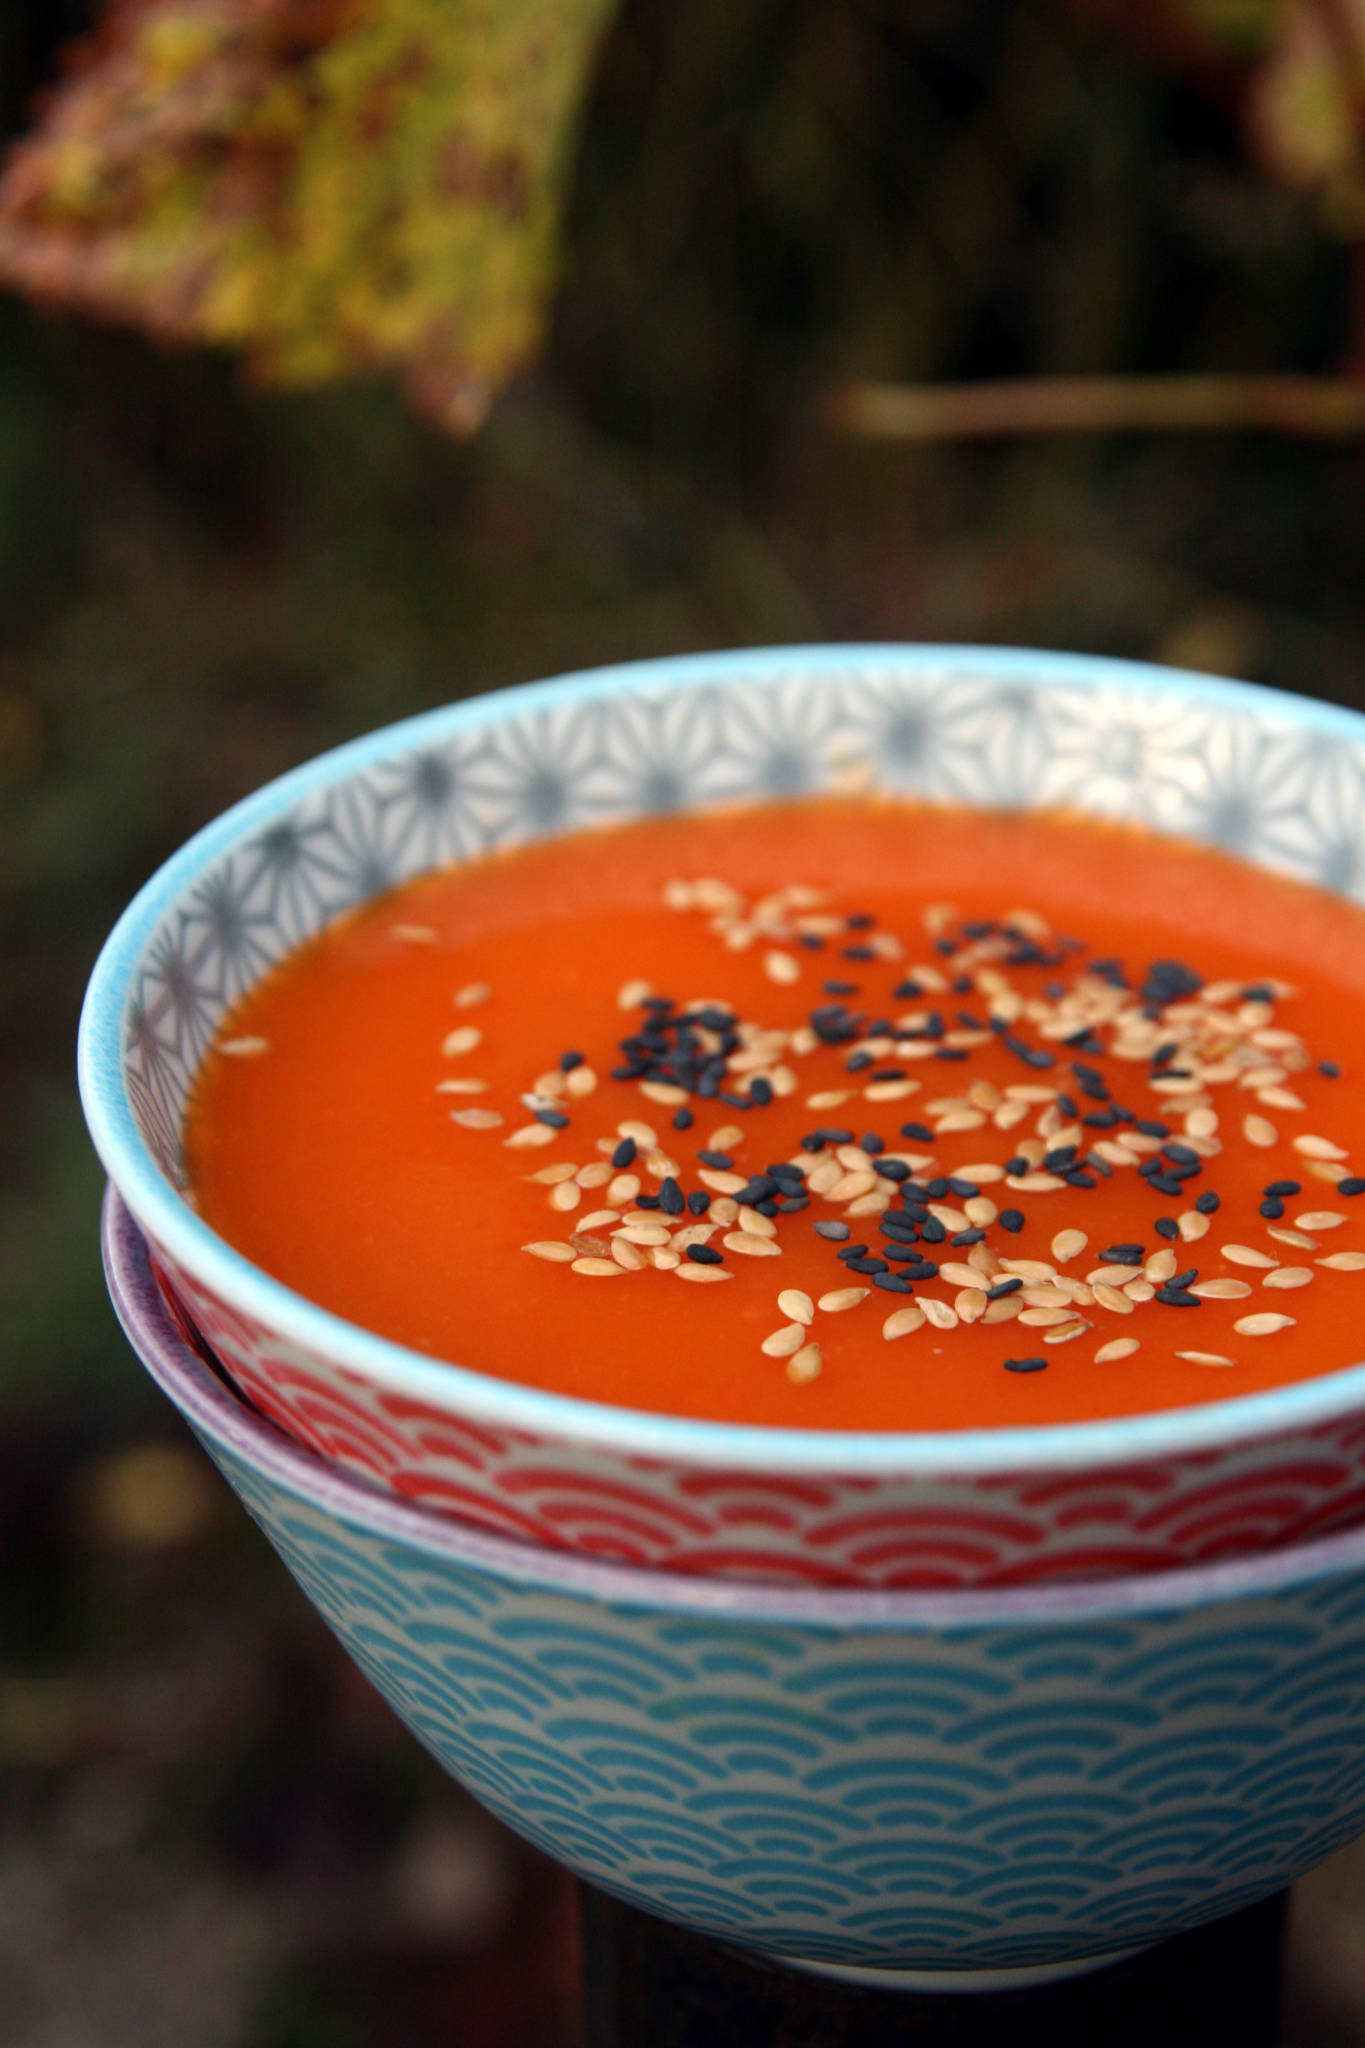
pixel 894 1283
pixel 671 1197
pixel 873 1266
pixel 721 1161
pixel 648 1202
pixel 1208 1203
pixel 1166 1226
pixel 1018 1164
pixel 1012 1220
pixel 555 1118
pixel 1123 1255
pixel 1004 1287
pixel 833 1232
pixel 871 1143
pixel 1177 1297
pixel 1283 1187
pixel 891 1169
pixel 760 1091
pixel 852 1251
pixel 1272 1208
pixel 1330 1068
pixel 624 1154
pixel 682 1119
pixel 919 1131
pixel 832 1135
pixel 698 1202
pixel 1152 1127
pixel 968 1237
pixel 840 988
pixel 569 1060
pixel 702 1255
pixel 1025 1365
pixel 932 1231
pixel 1182 1155
pixel 1353 1184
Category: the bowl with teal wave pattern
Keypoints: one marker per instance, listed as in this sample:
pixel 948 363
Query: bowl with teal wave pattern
pixel 991 1780
pixel 1276 779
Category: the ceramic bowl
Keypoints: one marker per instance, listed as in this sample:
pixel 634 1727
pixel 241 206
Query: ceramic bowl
pixel 1276 778
pixel 899 1781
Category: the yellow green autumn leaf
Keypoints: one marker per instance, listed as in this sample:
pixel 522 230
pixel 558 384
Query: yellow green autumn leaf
pixel 331 186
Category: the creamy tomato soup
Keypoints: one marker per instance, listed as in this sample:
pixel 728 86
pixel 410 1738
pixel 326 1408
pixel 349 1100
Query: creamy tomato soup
pixel 841 1113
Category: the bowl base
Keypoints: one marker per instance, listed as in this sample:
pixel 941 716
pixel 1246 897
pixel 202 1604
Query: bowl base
pixel 967 1981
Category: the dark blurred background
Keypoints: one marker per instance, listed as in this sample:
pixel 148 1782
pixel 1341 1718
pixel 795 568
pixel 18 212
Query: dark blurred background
pixel 211 1834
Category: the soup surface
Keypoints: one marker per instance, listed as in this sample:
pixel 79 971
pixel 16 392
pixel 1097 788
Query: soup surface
pixel 839 1113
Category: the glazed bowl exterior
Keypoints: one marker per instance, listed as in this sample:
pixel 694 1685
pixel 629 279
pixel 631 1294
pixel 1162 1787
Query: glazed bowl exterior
pixel 984 1780
pixel 1276 779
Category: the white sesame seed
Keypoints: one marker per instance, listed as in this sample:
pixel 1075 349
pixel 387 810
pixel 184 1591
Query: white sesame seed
pixel 247 1047
pixel 782 1343
pixel 1262 1324
pixel 1344 1262
pixel 902 1321
pixel 476 1119
pixel 1320 1219
pixel 1246 1255
pixel 805 1365
pixel 1288 1276
pixel 550 1249
pixel 704 1276
pixel 794 1303
pixel 939 1314
pixel 1259 1131
pixel 840 1299
pixel 462 1039
pixel 528 1136
pixel 1311 1147
pixel 749 1246
pixel 1116 1348
pixel 598 1269
pixel 1206 1357
pixel 473 993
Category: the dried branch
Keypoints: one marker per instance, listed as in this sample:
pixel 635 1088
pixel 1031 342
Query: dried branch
pixel 1325 408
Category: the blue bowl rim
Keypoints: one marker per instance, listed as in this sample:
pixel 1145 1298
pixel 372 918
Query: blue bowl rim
pixel 637 1433
pixel 214 1412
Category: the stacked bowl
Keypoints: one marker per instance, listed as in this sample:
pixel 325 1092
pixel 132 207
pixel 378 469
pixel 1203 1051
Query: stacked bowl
pixel 977 1701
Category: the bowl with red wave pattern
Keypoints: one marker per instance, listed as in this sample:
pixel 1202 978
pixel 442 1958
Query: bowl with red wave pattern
pixel 1269 776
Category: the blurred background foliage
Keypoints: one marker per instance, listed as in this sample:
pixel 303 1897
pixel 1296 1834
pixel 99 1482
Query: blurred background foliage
pixel 646 250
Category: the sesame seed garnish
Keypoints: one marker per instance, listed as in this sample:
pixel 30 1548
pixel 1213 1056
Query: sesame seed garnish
pixel 840 1299
pixel 414 934
pixel 1258 1130
pixel 1319 1219
pixel 1354 1184
pixel 687 1271
pixel 1116 1348
pixel 1247 1255
pixel 550 1250
pixel 796 1304
pixel 1025 1365
pixel 476 1119
pixel 474 993
pixel 464 1086
pixel 530 1135
pixel 247 1047
pixel 805 1365
pixel 1226 1290
pixel 1205 1357
pixel 1288 1276
pixel 598 1269
pixel 1309 1146
pixel 1343 1262
pixel 1263 1324
pixel 782 1343
pixel 747 1244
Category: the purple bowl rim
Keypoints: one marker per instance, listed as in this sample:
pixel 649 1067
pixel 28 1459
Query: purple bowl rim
pixel 206 1404
pixel 1219 1425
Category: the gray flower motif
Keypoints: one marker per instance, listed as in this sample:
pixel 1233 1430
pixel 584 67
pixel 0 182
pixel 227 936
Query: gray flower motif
pixel 778 738
pixel 1254 774
pixel 543 773
pixel 431 800
pixel 663 751
pixel 158 1083
pixel 1322 837
pixel 297 873
pixel 949 735
pixel 1120 753
pixel 237 944
pixel 180 991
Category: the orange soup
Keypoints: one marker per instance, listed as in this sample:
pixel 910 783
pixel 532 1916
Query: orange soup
pixel 841 1113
